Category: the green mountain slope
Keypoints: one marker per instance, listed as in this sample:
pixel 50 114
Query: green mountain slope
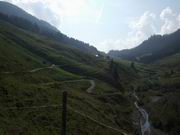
pixel 36 67
pixel 34 70
pixel 22 19
pixel 171 62
pixel 155 48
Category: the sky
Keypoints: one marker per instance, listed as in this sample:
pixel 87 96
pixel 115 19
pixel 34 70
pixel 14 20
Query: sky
pixel 107 24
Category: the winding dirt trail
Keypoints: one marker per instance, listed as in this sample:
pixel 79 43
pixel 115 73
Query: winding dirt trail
pixel 38 69
pixel 91 88
pixel 31 71
pixel 88 90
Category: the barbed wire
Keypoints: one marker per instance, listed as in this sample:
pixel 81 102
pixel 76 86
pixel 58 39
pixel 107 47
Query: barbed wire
pixel 70 108
pixel 60 106
pixel 96 121
pixel 31 107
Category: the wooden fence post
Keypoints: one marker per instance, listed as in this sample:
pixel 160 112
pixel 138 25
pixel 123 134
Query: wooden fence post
pixel 64 112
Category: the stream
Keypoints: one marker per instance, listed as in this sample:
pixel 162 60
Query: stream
pixel 144 118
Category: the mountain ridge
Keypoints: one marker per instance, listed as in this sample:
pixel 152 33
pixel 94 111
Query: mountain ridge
pixel 21 18
pixel 12 10
pixel 151 49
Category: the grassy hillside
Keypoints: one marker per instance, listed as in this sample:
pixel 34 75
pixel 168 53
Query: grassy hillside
pixel 34 70
pixel 22 96
pixel 171 62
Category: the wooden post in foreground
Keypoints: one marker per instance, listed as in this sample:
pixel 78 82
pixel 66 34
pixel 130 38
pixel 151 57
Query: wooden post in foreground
pixel 64 112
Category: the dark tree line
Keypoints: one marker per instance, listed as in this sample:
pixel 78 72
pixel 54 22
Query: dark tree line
pixel 20 22
pixel 114 69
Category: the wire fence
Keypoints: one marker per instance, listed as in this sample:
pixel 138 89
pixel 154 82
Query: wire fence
pixel 60 106
pixel 31 107
pixel 51 67
pixel 70 109
pixel 96 121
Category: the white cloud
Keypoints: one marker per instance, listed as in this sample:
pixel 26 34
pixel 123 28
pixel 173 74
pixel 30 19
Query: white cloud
pixel 142 28
pixel 42 9
pixel 99 13
pixel 108 44
pixel 171 21
pixel 58 11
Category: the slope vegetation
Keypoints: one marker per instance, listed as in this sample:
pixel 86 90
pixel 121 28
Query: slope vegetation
pixel 35 69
